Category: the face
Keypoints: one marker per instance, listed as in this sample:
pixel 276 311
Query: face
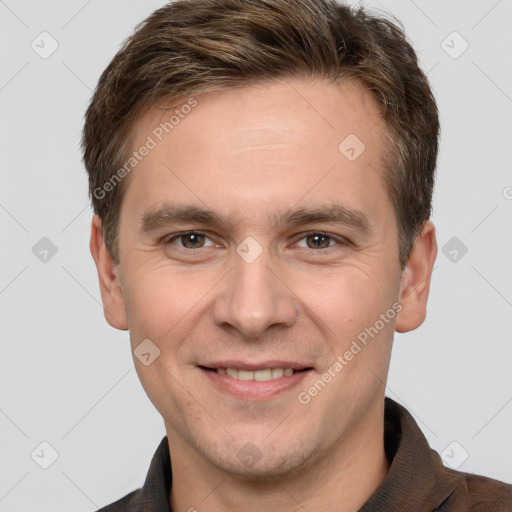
pixel 293 261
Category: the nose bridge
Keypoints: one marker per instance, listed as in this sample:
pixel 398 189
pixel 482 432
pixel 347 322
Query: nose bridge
pixel 254 298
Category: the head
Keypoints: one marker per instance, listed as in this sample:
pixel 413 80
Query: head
pixel 295 143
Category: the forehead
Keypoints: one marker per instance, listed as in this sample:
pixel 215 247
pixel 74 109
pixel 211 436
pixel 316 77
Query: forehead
pixel 256 144
pixel 288 107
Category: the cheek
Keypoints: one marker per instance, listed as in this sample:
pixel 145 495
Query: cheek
pixel 162 388
pixel 161 298
pixel 347 308
pixel 346 299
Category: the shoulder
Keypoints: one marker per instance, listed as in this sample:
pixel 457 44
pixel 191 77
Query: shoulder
pixel 483 494
pixel 125 504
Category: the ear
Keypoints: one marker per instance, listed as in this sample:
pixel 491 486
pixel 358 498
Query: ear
pixel 415 280
pixel 110 286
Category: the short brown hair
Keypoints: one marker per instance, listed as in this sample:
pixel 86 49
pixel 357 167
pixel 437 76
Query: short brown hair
pixel 192 46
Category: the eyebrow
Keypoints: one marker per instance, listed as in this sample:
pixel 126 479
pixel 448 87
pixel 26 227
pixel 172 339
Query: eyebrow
pixel 170 214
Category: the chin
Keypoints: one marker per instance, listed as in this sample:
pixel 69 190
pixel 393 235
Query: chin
pixel 264 461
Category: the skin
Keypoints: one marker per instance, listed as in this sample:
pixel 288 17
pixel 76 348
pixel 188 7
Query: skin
pixel 247 152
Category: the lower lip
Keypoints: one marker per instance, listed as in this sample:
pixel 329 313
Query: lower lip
pixel 254 389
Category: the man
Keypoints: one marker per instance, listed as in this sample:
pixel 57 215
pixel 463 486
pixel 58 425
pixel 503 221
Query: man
pixel 261 173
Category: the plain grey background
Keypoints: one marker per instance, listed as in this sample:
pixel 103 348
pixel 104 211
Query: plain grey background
pixel 67 378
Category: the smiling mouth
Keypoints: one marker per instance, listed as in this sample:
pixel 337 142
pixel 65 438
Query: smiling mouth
pixel 262 375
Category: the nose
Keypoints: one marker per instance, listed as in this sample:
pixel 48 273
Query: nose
pixel 254 298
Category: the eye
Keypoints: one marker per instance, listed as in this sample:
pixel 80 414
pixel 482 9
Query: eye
pixel 318 240
pixel 197 240
pixel 190 240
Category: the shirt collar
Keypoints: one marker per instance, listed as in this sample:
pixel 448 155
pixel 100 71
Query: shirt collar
pixel 154 495
pixel 416 480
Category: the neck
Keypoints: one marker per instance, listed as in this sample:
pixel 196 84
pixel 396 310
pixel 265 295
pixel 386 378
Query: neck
pixel 342 480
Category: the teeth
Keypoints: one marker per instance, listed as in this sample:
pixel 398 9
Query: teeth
pixel 245 375
pixel 232 372
pixel 259 375
pixel 263 375
pixel 277 373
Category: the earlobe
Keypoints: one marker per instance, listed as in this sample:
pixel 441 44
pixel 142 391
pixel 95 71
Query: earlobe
pixel 110 286
pixel 415 280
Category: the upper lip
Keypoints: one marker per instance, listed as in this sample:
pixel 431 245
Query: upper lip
pixel 263 365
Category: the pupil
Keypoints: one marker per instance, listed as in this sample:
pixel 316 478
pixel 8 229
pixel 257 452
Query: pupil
pixel 189 239
pixel 316 239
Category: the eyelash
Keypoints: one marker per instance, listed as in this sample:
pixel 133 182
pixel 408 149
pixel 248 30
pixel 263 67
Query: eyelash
pixel 340 240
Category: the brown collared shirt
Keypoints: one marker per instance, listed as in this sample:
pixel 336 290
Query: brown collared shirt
pixel 417 481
